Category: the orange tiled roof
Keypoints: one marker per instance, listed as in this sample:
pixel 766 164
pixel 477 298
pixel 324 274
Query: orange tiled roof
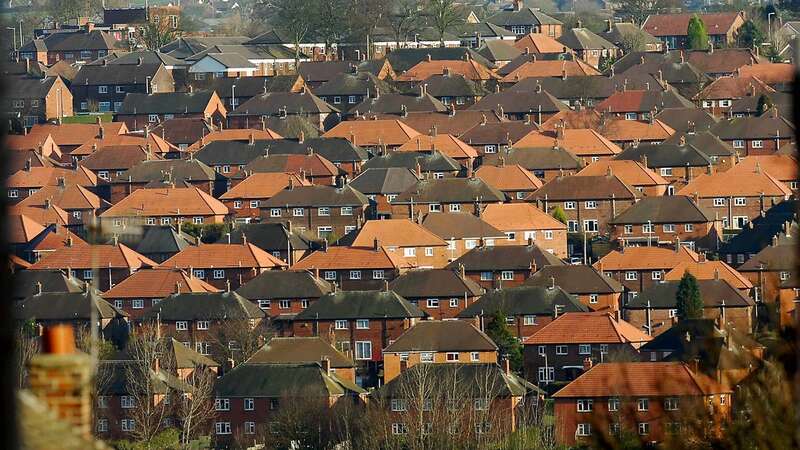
pixel 61 238
pixel 677 24
pixel 550 68
pixel 66 197
pixel 351 258
pixel 234 134
pixel 31 142
pixel 512 177
pixel 444 143
pixel 734 87
pixel 37 177
pixel 263 185
pixel 585 118
pixel 158 283
pixel 41 214
pixel 469 69
pixel 396 233
pixel 539 43
pixel 223 256
pixel 157 144
pixel 21 229
pixel 75 134
pixel 645 258
pixel 770 73
pixel 519 216
pixel 632 173
pixel 631 130
pixel 578 141
pixel 782 167
pixel 102 256
pixel 373 132
pixel 737 184
pixel 588 328
pixel 641 379
pixel 171 201
pixel 709 270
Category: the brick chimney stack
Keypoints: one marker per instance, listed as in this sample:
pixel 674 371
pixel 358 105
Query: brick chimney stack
pixel 60 377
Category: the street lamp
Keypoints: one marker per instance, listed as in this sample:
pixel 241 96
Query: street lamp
pixel 769 25
pixel 233 97
pixel 14 37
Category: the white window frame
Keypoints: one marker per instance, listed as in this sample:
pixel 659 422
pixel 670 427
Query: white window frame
pixel 363 350
pixel 362 324
pixel 181 325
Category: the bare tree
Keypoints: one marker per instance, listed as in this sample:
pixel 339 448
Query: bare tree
pixel 295 18
pixel 403 19
pixel 149 392
pixel 444 16
pixel 158 34
pixel 331 21
pixel 194 409
pixel 27 346
pixel 237 340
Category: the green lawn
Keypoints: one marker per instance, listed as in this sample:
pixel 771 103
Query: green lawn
pixel 89 118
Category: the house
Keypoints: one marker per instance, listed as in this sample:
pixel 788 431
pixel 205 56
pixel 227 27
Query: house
pixel 638 268
pixel 222 64
pixel 463 231
pixel 439 293
pixel 230 135
pixel 619 34
pixel 347 89
pixel 342 153
pixel 627 133
pixel 655 308
pixel 159 242
pixel 737 197
pixel 280 240
pixel 489 137
pixel 592 288
pixel 722 28
pixel 361 323
pixel 782 167
pixel 433 164
pixel 468 68
pixel 82 204
pixel 687 120
pixel 445 195
pixel 447 144
pixel 539 44
pixel 282 294
pixel 397 104
pixel 418 247
pixel 761 135
pixel 526 308
pixel 403 59
pixel 354 268
pixel 382 186
pixel 546 163
pixel 305 350
pixel 770 267
pixel 69 136
pixel 165 206
pixel 324 211
pixel 103 87
pixel 581 92
pixel 437 342
pixel 139 111
pixel 521 21
pixel 513 180
pixel 453 122
pixel 632 173
pixel 522 222
pixel 499 52
pixel 720 153
pixel 677 162
pixel 29 282
pixel 479 34
pixel 145 288
pixel 37 100
pixel 604 398
pixel 495 267
pixel 557 352
pixel 204 321
pixel 317 73
pixel 642 104
pixel 718 97
pixel 776 223
pixel 667 220
pixel 589 202
pixel 236 91
pixel 282 104
pixel 313 168
pixel 721 61
pixel 79 309
pixel 373 134
pixel 178 172
pixel 79 46
pixel 454 90
pixel 110 263
pixel 706 269
pixel 230 156
pixel 547 68
pixel 244 199
pixel 589 46
pixel 586 144
pixel 521 105
pixel 27 181
pixel 225 266
pixel 109 162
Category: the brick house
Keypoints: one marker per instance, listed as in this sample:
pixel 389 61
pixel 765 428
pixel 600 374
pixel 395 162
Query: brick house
pixel 37 100
pixel 523 221
pixel 244 200
pixel 513 180
pixel 225 266
pixel 414 244
pixel 381 186
pixel 635 104
pixel 280 240
pixel 521 105
pixel 496 267
pixel 719 96
pixel 82 204
pixel 324 211
pixel 360 323
pixel 282 104
pixel 439 293
pixel 707 269
pixel 592 288
pixel 109 162
pixel 490 136
pixel 638 268
pixel 83 45
pixel 762 135
pixel 671 28
pixel 103 87
pixel 521 21
pixel 633 173
pixel 586 144
pixel 526 308
pixel 305 350
pixel 545 163
pixel 373 134
pixel 309 165
pixel 425 164
pixel 445 195
pixel 626 133
pixel 654 310
pixel 463 231
pixel 354 268
pixel 677 162
pixel 770 267
pixel 558 351
pixel 27 181
pixel 282 294
pixel 74 308
pixel 165 206
pixel 140 111
pixel 175 171
pixel 604 401
pixel 588 46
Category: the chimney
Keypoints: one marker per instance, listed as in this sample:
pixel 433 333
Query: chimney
pixel 560 129
pixel 60 377
pixel 376 244
pixel 587 364
pixel 609 25
pixel 385 285
pixel 325 363
pixel 506 366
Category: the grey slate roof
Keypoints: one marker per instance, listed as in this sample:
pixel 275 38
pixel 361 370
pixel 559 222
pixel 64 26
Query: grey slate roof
pixel 584 39
pixel 527 102
pixel 664 209
pixel 293 103
pixel 706 140
pixel 205 306
pixel 270 237
pixel 28 87
pixel 470 380
pixel 620 32
pixel 25 282
pixel 93 75
pixel 505 257
pixel 498 50
pixel 398 104
pixel 132 58
pixel 662 295
pixel 782 257
pixel 575 279
pixel 216 153
pixel 345 84
pixel 231 60
pixel 360 305
pixel 547 158
pixel 763 127
pixel 165 103
pixel 282 380
pixel 434 283
pixel 158 239
pixel 384 180
pixel 291 126
pixel 282 284
pixel 678 118
pixel 65 307
pixel 442 336
pixel 72 41
pixel 251 86
pixel 595 187
pixel 334 149
pixel 180 170
pixel 486 29
pixel 434 161
pixel 523 300
pixel 403 59
pixel 525 16
pixel 299 350
pixel 183 47
pixel 450 190
pixel 453 85
pixel 495 132
pixel 318 196
pixel 666 155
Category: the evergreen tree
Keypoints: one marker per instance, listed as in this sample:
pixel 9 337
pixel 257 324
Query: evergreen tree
pixel 764 104
pixel 750 35
pixel 559 214
pixel 696 34
pixel 508 346
pixel 689 302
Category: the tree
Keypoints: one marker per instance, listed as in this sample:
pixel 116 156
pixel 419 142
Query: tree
pixel 27 345
pixel 764 104
pixel 689 301
pixel 443 16
pixel 696 34
pixel 195 409
pixel 750 35
pixel 158 34
pixel 560 215
pixel 633 41
pixel 296 19
pixel 508 346
pixel 403 19
pixel 67 10
pixel 332 24
pixel 148 391
pixel 605 63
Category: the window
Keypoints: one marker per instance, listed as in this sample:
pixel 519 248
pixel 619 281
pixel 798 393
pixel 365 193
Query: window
pixel 630 276
pixel 757 143
pixel 102 425
pixel 631 116
pixel 474 356
pixel 656 275
pixel 337 100
pixel 673 313
pixel 202 324
pixel 561 349
pixel 181 325
pixel 613 404
pixel 644 428
pixel 275 212
pixel 666 171
pixel 529 320
pixel 340 325
pixel 451 356
pixel 585 349
pixel 435 207
pixel 249 428
pixel 548 235
pixel 254 203
pixel 739 201
pixel 585 404
pixel 102 89
pixel 138 303
pixel 507 275
pixel 351 99
pixel 297 212
pixel 152 118
pixel 249 404
pixel 346 211
pixel 688 227
pixel 127 402
pixel 491 148
pixel 673 427
pixel 284 304
pixel 273 404
pixel 399 404
pixel 324 211
pixel 572 226
pixel 433 303
pixel 569 205
pixel 128 424
pixel 377 274
pixel 584 429
pixel 723 400
pixel 593 299
pixel 222 427
pixel 222 404
pixel 13 193
pixel 469 244
pixel 197 220
pixel 669 227
pixel 363 350
pixel 304 303
pixel 455 207
pixel 199 273
pixel 511 236
pixel 324 232
pixel 784 276
pixel 219 274
pixel 399 428
pixel 362 324
pixel 643 404
pixel 237 204
pixel 590 204
pixel 671 403
pixel 481 404
pixel 719 201
pixel 264 304
pixel 355 274
pixel 738 143
pixel 546 374
pixel 590 225
pixel 329 275
pixel 486 276
pixel 409 252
